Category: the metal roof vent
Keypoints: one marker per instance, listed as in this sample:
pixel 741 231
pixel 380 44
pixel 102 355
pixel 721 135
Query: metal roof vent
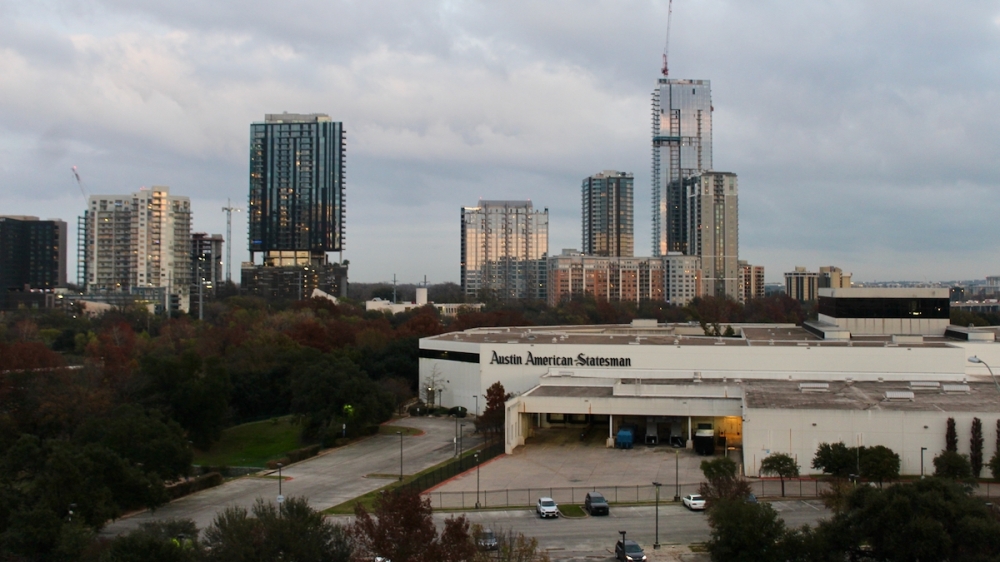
pixel 924 385
pixel 899 396
pixel 814 387
pixel 956 389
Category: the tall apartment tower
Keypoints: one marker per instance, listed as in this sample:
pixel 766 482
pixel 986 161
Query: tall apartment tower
pixel 713 222
pixel 751 282
pixel 297 188
pixel 138 244
pixel 297 206
pixel 682 149
pixel 32 258
pixel 607 214
pixel 206 261
pixel 504 250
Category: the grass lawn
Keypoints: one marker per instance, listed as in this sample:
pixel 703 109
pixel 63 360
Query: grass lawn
pixel 392 429
pixel 570 510
pixel 252 444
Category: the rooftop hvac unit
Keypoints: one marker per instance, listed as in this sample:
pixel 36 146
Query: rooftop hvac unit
pixel 924 385
pixel 899 396
pixel 956 389
pixel 814 387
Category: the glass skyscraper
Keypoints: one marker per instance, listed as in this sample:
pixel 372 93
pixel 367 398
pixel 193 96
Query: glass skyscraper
pixel 682 149
pixel 504 249
pixel 297 182
pixel 607 214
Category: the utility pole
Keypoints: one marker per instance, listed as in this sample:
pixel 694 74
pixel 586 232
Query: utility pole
pixel 228 209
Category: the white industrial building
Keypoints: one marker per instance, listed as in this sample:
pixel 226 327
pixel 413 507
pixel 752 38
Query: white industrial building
pixel 772 388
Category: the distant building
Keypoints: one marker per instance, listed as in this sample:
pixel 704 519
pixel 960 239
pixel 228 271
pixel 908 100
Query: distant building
pixel 682 149
pixel 32 260
pixel 445 309
pixel 713 222
pixel 801 285
pixel 504 248
pixel 607 214
pixel 832 277
pixel 206 260
pixel 751 282
pixel 138 246
pixel 297 206
pixel 674 278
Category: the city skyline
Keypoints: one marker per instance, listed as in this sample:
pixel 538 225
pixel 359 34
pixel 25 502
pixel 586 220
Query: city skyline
pixel 851 142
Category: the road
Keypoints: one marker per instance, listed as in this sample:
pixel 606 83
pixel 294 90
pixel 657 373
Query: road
pixel 327 480
pixel 593 538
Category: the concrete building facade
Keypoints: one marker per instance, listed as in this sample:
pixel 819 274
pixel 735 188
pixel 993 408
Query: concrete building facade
pixel 672 278
pixel 713 236
pixel 504 249
pixel 750 282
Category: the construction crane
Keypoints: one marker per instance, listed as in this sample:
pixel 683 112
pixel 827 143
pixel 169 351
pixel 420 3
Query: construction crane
pixel 79 182
pixel 228 209
pixel 666 46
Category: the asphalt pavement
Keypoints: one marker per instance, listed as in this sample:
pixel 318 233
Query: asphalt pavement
pixel 327 480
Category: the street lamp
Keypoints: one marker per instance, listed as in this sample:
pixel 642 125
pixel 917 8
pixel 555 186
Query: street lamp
pixel 656 544
pixel 400 434
pixel 477 479
pixel 975 359
pixel 461 434
pixel 922 449
pixel 456 435
pixel 677 475
pixel 622 533
pixel 476 396
pixel 281 498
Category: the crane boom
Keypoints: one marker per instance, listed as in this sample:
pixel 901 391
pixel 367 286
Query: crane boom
pixel 666 46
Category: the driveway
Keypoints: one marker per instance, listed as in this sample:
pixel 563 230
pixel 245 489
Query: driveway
pixel 330 479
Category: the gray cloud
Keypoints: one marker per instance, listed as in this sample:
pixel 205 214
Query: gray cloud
pixel 864 133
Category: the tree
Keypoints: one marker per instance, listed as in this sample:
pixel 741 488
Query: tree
pixel 491 422
pixel 976 447
pixel 951 437
pixel 835 459
pixel 879 464
pixel 953 466
pixel 293 531
pixel 743 531
pixel 780 465
pixel 161 541
pixel 511 547
pixel 401 528
pixel 722 481
pixel 143 438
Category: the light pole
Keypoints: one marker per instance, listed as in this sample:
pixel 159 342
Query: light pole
pixel 975 359
pixel 656 544
pixel 622 533
pixel 922 449
pixel 281 498
pixel 477 479
pixel 400 434
pixel 677 475
pixel 461 434
pixel 476 396
pixel 430 395
pixel 456 435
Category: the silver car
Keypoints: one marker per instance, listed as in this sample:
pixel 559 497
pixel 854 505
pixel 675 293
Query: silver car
pixel 546 507
pixel 694 502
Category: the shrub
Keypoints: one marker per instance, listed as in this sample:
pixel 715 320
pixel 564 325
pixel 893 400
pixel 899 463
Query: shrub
pixel 458 411
pixel 303 453
pixel 193 485
pixel 273 465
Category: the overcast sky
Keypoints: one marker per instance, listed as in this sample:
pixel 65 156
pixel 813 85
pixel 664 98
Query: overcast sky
pixel 864 134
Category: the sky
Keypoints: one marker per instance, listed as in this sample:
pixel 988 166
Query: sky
pixel 865 135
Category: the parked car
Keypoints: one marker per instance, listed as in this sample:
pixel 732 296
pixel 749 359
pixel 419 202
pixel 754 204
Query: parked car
pixel 629 551
pixel 751 498
pixel 487 540
pixel 546 507
pixel 595 504
pixel 694 502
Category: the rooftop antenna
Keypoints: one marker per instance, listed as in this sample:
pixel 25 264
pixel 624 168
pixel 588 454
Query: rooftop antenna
pixel 228 209
pixel 666 46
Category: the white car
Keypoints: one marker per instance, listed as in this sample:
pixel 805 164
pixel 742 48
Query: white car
pixel 546 507
pixel 694 502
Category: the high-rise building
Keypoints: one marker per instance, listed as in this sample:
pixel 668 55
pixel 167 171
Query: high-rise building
pixel 32 258
pixel 713 223
pixel 801 285
pixel 682 149
pixel 206 261
pixel 297 205
pixel 504 248
pixel 139 244
pixel 751 282
pixel 607 214
pixel 297 188
pixel 832 277
pixel 674 278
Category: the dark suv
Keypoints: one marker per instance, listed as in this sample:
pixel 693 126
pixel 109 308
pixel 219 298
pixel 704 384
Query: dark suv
pixel 595 504
pixel 630 551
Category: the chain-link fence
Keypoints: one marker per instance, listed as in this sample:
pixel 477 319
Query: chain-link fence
pixel 454 468
pixel 796 488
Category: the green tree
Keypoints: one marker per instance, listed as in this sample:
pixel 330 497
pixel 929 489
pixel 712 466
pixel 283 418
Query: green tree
pixel 951 437
pixel 723 481
pixel 193 392
pixel 976 447
pixel 879 464
pixel 295 531
pixel 162 541
pixel 742 531
pixel 780 465
pixel 143 438
pixel 835 459
pixel 953 466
